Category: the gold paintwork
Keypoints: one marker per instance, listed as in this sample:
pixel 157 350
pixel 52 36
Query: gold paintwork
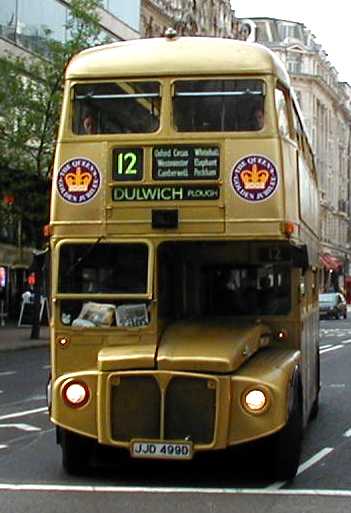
pixel 221 346
pixel 160 57
pixel 228 354
pixel 126 357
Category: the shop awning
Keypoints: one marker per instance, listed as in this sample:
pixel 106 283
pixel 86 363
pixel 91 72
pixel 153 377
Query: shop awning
pixel 331 262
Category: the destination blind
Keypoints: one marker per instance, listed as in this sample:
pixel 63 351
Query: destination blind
pixel 165 193
pixel 185 162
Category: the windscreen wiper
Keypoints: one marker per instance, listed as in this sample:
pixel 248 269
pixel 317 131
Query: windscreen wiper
pixel 83 257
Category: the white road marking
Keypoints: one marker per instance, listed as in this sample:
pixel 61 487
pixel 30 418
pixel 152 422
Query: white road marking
pixel 275 486
pixel 21 427
pixel 40 397
pixel 7 373
pixel 304 466
pixel 348 341
pixel 16 487
pixel 347 433
pixel 324 347
pixel 22 413
pixel 317 457
pixel 2 446
pixel 333 348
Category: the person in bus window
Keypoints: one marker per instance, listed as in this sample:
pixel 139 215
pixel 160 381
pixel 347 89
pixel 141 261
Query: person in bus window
pixel 89 123
pixel 257 118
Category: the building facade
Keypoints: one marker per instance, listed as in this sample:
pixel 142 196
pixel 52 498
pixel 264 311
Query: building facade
pixel 326 106
pixel 187 17
pixel 25 26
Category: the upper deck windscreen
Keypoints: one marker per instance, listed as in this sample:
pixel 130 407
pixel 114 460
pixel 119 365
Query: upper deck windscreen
pixel 111 107
pixel 218 105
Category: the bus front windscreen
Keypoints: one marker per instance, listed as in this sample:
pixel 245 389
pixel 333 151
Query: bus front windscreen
pixel 99 268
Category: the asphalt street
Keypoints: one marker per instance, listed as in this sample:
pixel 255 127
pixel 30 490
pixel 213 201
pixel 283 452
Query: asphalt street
pixel 32 480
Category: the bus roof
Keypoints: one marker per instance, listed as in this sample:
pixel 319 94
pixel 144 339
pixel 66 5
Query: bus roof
pixel 175 56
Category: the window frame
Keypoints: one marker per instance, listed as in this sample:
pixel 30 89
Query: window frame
pixel 287 102
pixel 75 115
pixel 224 94
pixel 147 295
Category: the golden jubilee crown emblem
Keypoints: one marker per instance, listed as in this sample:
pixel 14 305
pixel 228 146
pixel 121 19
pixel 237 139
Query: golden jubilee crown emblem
pixel 254 178
pixel 78 180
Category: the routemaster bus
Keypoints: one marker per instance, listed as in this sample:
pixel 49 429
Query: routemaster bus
pixel 184 244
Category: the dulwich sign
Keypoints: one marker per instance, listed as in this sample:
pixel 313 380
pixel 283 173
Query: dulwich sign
pixel 165 193
pixel 254 178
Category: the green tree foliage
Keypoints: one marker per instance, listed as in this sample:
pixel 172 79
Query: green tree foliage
pixel 30 102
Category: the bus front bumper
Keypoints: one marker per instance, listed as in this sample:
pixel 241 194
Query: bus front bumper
pixel 145 410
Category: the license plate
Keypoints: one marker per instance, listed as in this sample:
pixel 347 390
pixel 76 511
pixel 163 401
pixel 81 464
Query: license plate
pixel 162 450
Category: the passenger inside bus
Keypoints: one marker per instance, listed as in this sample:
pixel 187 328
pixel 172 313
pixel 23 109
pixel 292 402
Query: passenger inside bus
pixel 108 108
pixel 257 118
pixel 89 123
pixel 218 105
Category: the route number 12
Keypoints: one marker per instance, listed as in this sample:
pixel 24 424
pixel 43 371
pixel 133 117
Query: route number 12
pixel 128 164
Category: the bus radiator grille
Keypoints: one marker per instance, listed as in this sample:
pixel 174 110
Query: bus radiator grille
pixel 135 408
pixel 190 409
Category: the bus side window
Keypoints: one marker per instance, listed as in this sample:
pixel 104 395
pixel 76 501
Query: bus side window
pixel 298 128
pixel 282 113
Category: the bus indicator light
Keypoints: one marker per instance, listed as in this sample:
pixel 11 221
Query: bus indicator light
pixel 63 341
pixel 289 228
pixel 282 335
pixel 47 230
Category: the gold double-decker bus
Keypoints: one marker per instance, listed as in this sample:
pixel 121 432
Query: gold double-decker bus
pixel 184 243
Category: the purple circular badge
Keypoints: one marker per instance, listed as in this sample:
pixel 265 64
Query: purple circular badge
pixel 254 178
pixel 78 180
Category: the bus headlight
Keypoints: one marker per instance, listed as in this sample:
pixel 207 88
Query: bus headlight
pixel 255 400
pixel 75 393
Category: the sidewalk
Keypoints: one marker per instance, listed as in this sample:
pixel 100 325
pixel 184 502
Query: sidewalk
pixel 13 338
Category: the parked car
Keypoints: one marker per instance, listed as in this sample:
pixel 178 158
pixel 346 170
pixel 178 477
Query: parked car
pixel 332 305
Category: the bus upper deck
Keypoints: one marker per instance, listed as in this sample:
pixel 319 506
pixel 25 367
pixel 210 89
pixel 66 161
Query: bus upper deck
pixel 174 144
